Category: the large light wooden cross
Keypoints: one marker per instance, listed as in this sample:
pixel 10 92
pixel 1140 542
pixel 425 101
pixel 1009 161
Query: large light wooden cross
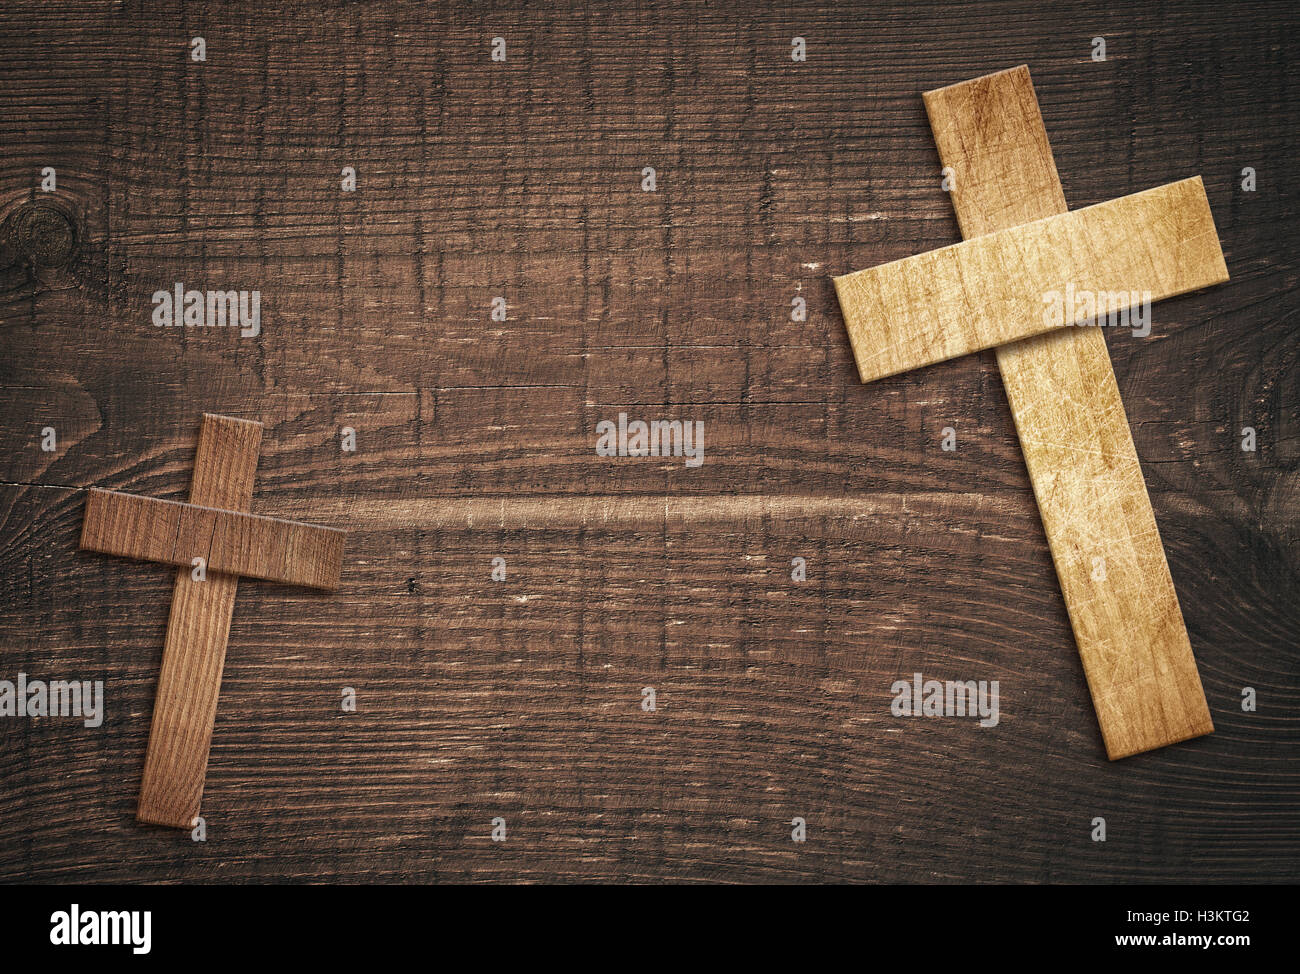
pixel 1022 245
pixel 214 526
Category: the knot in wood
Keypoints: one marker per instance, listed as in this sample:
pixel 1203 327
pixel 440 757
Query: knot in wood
pixel 43 233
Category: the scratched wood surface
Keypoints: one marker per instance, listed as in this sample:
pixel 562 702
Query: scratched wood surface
pixel 475 439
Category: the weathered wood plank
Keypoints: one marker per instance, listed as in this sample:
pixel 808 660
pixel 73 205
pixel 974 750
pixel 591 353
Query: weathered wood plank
pixel 521 698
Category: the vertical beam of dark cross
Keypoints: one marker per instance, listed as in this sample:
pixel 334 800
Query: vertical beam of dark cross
pixel 194 655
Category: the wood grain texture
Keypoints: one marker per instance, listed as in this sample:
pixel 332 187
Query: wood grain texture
pixel 194 654
pixel 522 698
pixel 239 544
pixel 1075 435
pixel 991 289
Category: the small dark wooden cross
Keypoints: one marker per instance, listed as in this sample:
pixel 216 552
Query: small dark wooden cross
pixel 215 540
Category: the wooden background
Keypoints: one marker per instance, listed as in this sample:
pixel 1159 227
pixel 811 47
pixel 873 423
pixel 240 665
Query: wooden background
pixel 475 440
